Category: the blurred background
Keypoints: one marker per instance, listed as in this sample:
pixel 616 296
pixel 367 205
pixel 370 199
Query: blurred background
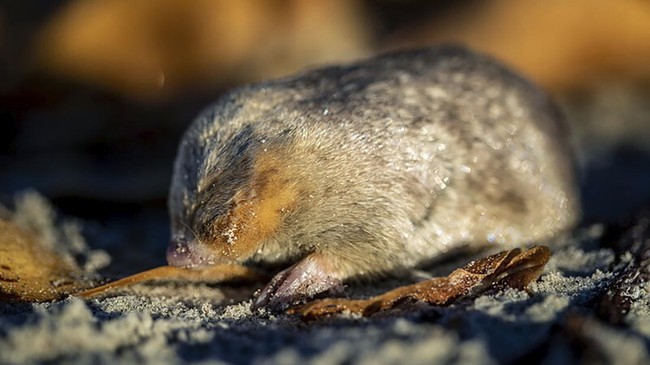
pixel 95 94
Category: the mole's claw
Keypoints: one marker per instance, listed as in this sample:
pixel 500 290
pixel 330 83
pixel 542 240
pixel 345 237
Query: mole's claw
pixel 309 277
pixel 269 290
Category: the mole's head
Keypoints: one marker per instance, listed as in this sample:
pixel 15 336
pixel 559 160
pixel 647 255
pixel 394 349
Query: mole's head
pixel 226 203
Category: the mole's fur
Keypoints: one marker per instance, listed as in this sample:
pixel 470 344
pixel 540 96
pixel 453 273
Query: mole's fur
pixel 363 169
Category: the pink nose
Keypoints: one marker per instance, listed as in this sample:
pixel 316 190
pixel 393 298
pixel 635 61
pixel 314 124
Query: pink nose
pixel 180 254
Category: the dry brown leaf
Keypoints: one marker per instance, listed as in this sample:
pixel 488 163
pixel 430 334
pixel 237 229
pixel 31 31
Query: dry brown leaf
pixel 513 268
pixel 214 274
pixel 33 273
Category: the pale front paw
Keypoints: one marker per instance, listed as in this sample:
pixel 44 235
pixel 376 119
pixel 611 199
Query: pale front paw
pixel 309 277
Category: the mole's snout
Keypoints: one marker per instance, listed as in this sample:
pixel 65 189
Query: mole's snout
pixel 178 253
pixel 183 254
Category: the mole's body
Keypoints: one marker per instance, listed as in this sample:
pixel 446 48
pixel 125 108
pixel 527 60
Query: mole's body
pixel 370 168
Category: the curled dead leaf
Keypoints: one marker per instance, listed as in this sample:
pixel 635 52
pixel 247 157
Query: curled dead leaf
pixel 512 268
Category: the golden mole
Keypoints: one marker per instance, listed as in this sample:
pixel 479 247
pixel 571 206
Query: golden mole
pixel 364 169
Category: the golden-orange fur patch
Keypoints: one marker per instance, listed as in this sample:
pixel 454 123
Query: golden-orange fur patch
pixel 259 207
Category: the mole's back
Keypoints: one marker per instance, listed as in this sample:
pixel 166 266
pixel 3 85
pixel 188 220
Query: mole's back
pixel 402 156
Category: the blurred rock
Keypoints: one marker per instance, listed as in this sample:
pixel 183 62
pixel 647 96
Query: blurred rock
pixel 563 45
pixel 149 49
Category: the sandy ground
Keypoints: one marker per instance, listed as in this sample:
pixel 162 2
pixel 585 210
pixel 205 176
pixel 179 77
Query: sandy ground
pixel 562 319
